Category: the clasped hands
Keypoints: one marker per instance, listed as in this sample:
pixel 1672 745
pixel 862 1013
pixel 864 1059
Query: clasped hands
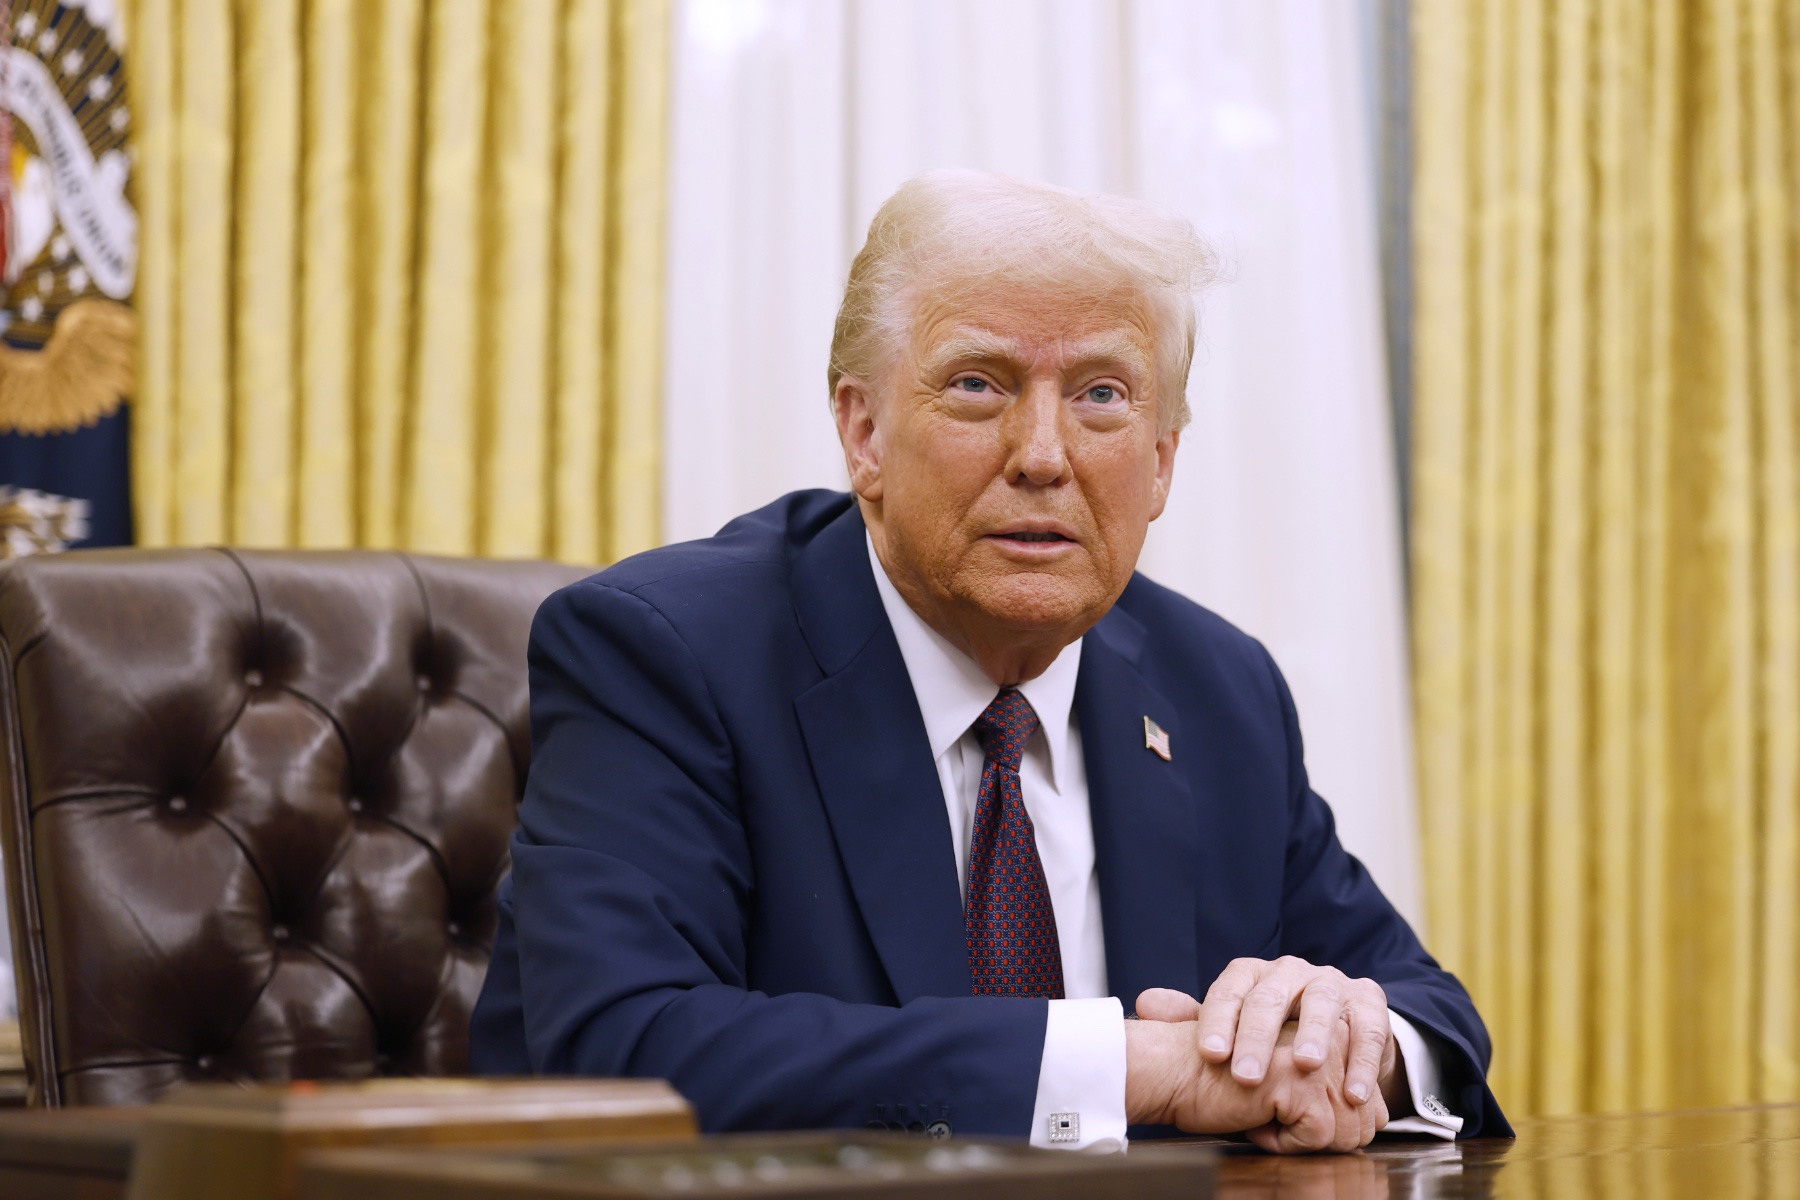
pixel 1297 1057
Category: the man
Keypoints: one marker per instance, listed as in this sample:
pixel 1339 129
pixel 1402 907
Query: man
pixel 873 809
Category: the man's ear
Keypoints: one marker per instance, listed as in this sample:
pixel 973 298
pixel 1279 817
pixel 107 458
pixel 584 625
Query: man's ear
pixel 1166 445
pixel 853 404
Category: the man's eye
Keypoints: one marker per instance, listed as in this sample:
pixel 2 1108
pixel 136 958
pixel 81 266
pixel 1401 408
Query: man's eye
pixel 972 384
pixel 1103 393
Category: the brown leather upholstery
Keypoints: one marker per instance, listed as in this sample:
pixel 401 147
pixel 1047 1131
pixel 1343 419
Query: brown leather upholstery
pixel 255 809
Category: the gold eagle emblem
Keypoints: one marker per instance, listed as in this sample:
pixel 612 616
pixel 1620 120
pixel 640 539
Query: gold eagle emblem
pixel 83 373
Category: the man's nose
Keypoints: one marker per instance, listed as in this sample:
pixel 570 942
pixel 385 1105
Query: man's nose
pixel 1035 431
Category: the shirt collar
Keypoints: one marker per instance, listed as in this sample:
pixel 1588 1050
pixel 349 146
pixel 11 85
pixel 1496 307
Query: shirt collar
pixel 952 691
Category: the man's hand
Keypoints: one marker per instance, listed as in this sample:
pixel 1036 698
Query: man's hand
pixel 1290 1111
pixel 1252 1000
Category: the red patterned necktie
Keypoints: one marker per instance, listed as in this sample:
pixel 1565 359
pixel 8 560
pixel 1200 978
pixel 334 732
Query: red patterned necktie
pixel 1013 950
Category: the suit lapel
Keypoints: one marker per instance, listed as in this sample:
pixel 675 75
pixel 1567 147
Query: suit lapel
pixel 872 762
pixel 1146 838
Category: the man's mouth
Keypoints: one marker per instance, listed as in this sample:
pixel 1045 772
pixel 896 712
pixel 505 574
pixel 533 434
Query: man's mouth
pixel 1035 537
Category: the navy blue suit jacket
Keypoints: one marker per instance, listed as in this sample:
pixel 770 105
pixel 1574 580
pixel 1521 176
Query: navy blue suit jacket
pixel 733 868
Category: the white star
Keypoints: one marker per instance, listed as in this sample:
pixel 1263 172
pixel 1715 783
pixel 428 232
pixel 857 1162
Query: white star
pixel 78 279
pixel 100 88
pixel 72 62
pixel 120 118
pixel 32 309
pixel 59 246
pixel 46 41
pixel 27 25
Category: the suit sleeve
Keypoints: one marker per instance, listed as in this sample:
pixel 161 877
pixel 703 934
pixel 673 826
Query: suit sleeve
pixel 1333 913
pixel 632 884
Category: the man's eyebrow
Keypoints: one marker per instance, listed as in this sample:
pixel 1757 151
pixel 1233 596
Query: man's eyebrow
pixel 971 345
pixel 1109 349
pixel 976 346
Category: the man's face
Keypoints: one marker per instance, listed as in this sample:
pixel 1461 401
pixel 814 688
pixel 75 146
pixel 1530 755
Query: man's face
pixel 1010 460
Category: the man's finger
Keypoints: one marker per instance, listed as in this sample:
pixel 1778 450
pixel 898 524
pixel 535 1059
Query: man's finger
pixel 1265 1009
pixel 1322 1011
pixel 1167 1004
pixel 1264 1137
pixel 1224 1000
pixel 1369 1033
pixel 1312 1126
pixel 1358 1125
pixel 1375 1118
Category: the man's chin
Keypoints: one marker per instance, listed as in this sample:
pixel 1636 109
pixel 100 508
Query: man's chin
pixel 1039 602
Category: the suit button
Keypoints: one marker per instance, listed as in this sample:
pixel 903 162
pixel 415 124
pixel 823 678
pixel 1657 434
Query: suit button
pixel 938 1131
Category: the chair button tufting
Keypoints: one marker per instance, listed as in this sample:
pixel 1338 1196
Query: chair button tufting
pixel 253 678
pixel 354 805
pixel 424 683
pixel 204 1063
pixel 279 933
pixel 453 929
pixel 177 804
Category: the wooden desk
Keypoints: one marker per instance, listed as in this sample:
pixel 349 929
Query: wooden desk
pixel 67 1154
pixel 1753 1153
pixel 1747 1152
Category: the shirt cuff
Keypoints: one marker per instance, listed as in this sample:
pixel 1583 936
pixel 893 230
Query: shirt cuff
pixel 1424 1079
pixel 1081 1080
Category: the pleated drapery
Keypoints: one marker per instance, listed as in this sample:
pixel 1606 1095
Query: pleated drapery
pixel 401 278
pixel 1606 539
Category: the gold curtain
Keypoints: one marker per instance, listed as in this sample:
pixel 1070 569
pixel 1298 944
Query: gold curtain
pixel 1606 539
pixel 401 273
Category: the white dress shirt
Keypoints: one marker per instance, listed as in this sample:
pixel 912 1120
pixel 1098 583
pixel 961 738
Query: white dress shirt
pixel 1082 1073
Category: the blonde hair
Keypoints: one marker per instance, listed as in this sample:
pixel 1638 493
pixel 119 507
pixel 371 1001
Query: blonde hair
pixel 956 224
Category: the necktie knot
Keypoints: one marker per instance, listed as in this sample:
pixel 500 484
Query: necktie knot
pixel 1004 728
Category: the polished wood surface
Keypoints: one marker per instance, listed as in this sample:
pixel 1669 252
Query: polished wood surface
pixel 227 1142
pixel 787 1166
pixel 1743 1152
pixel 1752 1153
pixel 67 1154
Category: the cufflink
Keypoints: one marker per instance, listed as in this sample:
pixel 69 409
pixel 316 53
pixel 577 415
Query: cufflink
pixel 1065 1127
pixel 1436 1107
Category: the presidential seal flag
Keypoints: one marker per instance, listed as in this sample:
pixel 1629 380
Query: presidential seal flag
pixel 68 262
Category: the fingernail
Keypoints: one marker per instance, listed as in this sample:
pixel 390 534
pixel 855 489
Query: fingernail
pixel 1359 1092
pixel 1215 1043
pixel 1308 1051
pixel 1250 1069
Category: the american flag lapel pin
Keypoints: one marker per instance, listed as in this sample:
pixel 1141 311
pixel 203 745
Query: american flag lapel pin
pixel 1157 738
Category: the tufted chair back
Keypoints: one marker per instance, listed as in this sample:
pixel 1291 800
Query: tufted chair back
pixel 255 809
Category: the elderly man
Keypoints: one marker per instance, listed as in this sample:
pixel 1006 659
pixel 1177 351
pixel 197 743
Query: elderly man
pixel 864 810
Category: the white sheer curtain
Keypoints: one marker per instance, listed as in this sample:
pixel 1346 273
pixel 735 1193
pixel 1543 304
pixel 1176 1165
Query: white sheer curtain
pixel 794 119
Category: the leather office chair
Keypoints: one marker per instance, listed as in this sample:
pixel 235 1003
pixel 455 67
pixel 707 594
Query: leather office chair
pixel 255 809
